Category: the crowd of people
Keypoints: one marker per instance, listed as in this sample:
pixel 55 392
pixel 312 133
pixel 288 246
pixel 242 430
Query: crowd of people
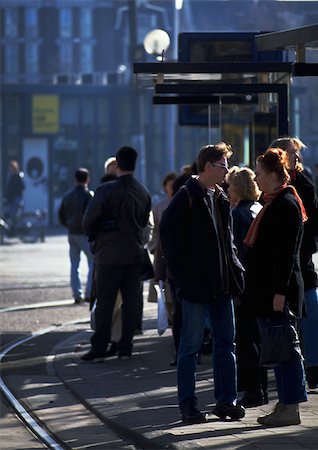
pixel 233 248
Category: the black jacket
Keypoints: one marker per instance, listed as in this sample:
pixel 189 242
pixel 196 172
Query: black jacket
pixel 73 207
pixel 190 245
pixel 306 191
pixel 243 215
pixel 273 264
pixel 116 217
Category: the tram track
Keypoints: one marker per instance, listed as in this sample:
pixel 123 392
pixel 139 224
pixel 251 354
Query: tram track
pixel 50 432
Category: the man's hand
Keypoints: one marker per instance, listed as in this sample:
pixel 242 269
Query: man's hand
pixel 279 302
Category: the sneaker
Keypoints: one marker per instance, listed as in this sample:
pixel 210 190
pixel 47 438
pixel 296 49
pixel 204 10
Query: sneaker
pixel 224 410
pixel 282 415
pixel 93 357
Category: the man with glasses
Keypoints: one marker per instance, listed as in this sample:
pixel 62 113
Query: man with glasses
pixel 197 241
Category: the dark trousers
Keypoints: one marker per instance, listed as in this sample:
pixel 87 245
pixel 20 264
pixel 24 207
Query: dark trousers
pixel 250 375
pixel 109 279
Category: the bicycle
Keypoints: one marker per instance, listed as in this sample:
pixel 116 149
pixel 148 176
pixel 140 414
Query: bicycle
pixel 29 227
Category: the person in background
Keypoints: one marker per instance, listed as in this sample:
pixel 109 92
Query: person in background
pixel 274 291
pixel 14 192
pixel 243 194
pixel 70 214
pixel 196 237
pixel 110 170
pixel 117 216
pixel 306 190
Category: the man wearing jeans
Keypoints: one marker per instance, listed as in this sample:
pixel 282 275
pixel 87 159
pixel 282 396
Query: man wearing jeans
pixel 71 214
pixel 197 241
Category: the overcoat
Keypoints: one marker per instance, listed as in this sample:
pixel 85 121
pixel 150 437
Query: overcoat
pixel 273 263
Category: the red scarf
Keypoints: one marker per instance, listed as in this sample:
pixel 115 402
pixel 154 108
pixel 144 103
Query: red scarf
pixel 268 198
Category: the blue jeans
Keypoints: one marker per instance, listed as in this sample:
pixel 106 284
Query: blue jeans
pixel 220 314
pixel 79 243
pixel 309 328
pixel 290 375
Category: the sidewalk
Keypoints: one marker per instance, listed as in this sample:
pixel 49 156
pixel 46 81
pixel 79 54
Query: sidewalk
pixel 137 397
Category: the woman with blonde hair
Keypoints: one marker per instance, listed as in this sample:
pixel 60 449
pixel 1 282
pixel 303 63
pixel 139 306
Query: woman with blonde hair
pixel 243 194
pixel 274 291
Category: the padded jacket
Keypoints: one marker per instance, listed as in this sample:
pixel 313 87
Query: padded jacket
pixel 73 207
pixel 127 204
pixel 190 245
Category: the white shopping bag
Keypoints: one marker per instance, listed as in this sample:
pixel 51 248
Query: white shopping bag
pixel 162 320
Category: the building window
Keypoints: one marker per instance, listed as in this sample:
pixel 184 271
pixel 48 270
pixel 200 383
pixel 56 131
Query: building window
pixel 66 23
pixel 31 23
pixel 86 22
pixel 86 57
pixel 11 22
pixel 11 61
pixel 31 61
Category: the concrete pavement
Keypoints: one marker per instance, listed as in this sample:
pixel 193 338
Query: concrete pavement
pixel 137 397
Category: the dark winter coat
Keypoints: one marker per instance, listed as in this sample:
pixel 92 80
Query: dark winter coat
pixel 190 245
pixel 306 191
pixel 273 263
pixel 73 207
pixel 115 219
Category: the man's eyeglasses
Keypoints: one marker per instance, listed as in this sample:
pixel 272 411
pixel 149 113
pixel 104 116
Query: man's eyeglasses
pixel 223 166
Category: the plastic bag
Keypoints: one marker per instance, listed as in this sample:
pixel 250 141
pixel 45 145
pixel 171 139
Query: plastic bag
pixel 162 320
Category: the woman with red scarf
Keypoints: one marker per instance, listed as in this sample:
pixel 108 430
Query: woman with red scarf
pixel 274 284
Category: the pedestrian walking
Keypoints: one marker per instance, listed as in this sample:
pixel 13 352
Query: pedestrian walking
pixel 71 214
pixel 197 242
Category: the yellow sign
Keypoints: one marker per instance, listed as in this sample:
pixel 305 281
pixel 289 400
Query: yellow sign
pixel 45 114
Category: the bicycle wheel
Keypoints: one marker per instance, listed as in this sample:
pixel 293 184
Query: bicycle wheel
pixel 29 227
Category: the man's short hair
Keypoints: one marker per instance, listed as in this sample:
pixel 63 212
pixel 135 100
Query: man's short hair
pixel 126 158
pixel 212 153
pixel 81 175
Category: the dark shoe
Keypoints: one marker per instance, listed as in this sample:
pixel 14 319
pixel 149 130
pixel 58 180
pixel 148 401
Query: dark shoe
pixel 193 416
pixel 124 355
pixel 251 399
pixel 138 332
pixel 93 357
pixel 223 410
pixel 113 349
pixel 190 412
pixel 87 300
pixel 312 377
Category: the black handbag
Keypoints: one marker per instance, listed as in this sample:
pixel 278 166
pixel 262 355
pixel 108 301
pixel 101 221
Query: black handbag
pixel 146 271
pixel 278 342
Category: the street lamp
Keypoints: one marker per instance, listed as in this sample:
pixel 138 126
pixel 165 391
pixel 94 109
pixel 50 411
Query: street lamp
pixel 157 42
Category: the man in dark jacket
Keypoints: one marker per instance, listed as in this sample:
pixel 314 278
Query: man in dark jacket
pixel 116 217
pixel 71 214
pixel 197 241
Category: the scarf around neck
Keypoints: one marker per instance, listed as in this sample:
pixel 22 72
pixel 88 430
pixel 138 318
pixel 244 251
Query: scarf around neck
pixel 251 236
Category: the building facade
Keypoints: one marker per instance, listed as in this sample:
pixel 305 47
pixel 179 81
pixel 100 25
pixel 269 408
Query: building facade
pixel 68 96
